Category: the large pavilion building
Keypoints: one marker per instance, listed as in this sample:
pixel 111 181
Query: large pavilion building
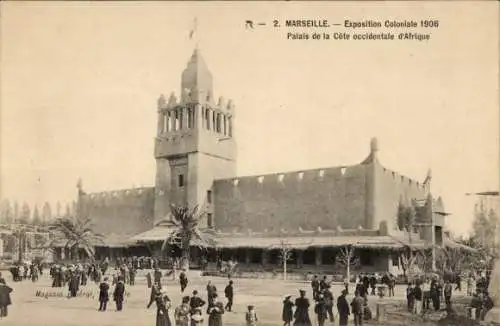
pixel 314 212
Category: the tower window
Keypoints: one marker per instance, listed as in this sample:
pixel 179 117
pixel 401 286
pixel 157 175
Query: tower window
pixel 177 121
pixel 230 127
pixel 190 118
pixel 181 180
pixel 181 117
pixel 209 220
pixel 214 122
pixel 167 122
pixel 209 196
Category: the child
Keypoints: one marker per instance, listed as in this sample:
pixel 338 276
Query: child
pixel 197 317
pixel 251 316
pixel 410 297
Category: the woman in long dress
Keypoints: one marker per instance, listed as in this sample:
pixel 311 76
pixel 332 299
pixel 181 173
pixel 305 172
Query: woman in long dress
pixel 215 313
pixel 162 306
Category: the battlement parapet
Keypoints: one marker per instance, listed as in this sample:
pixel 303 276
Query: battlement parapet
pixel 237 232
pixel 318 175
pixel 404 180
pixel 140 191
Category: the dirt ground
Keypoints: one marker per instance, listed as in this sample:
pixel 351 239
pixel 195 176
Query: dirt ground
pixel 265 294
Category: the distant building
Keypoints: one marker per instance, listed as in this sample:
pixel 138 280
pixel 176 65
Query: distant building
pixel 313 211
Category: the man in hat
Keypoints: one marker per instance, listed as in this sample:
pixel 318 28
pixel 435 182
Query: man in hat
pixel 302 310
pixel 182 313
pixel 229 292
pixel 196 302
pixel 103 294
pixel 343 309
pixel 315 286
pixel 287 315
pixel 119 293
pixel 328 295
pixel 4 298
pixel 157 276
pixel 320 310
pixel 183 280
pixel 357 305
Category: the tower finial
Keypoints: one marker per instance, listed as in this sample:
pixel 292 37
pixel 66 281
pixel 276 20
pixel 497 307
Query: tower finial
pixel 374 145
pixel 428 178
pixel 194 33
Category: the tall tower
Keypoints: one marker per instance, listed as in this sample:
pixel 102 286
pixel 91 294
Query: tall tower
pixel 194 144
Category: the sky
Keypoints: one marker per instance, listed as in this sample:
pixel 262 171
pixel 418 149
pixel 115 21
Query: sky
pixel 79 84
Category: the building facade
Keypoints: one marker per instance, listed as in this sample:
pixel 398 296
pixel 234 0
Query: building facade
pixel 313 210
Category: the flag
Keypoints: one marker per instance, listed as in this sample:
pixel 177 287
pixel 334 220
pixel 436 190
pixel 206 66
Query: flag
pixel 193 30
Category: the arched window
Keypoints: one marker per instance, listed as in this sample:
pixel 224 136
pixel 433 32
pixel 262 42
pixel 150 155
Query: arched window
pixel 207 118
pixel 190 118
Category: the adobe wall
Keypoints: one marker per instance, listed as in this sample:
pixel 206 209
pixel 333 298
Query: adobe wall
pixel 391 187
pixel 322 197
pixel 123 212
pixel 203 170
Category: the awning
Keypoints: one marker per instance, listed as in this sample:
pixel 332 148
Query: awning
pixel 158 233
pixel 110 241
pixel 447 242
pixel 362 242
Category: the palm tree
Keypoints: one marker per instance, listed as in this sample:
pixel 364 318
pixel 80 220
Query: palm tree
pixel 185 224
pixel 75 234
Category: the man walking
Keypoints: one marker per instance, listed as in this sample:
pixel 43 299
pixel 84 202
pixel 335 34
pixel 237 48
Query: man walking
pixel 103 294
pixel 229 292
pixel 118 294
pixel 357 309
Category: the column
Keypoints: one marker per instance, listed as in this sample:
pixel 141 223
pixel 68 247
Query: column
pixel 300 258
pixel 265 257
pixel 200 117
pixel 248 255
pixel 230 127
pixel 224 125
pixel 319 256
pixel 168 122
pixel 185 118
pixel 208 118
pixel 214 120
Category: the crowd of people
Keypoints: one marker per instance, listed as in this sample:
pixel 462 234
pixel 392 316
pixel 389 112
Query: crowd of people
pixel 26 271
pixel 428 294
pixel 422 294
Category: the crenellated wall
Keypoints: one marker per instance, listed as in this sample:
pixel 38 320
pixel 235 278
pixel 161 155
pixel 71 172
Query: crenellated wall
pixel 392 188
pixel 122 212
pixel 326 198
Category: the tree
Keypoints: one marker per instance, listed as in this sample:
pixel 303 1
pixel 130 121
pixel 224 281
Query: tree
pixel 58 210
pixel 449 258
pixel 185 222
pixel 24 217
pixel 285 254
pixel 484 226
pixel 75 235
pixel 46 213
pixel 6 212
pixel 408 262
pixel 74 209
pixel 67 213
pixel 407 217
pixel 347 259
pixel 36 216
pixel 16 212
